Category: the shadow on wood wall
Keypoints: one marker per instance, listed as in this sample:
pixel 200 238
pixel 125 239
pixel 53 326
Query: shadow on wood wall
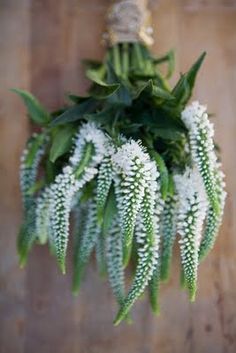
pixel 41 45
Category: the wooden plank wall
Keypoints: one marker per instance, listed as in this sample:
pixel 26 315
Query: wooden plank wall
pixel 41 45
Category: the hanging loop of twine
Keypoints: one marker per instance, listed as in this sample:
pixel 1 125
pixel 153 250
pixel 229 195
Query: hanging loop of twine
pixel 129 21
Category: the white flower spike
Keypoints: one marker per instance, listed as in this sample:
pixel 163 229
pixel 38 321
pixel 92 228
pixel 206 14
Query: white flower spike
pixel 89 150
pixel 192 206
pixel 134 171
pixel 201 142
pixel 213 219
pixel 147 234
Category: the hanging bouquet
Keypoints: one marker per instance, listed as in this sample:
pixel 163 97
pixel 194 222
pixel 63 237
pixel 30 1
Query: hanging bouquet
pixel 134 164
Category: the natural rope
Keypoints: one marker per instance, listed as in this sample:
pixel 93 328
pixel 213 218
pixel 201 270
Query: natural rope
pixel 129 21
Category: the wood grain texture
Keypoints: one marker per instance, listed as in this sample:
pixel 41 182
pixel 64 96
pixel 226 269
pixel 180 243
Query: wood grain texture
pixel 42 43
pixel 14 72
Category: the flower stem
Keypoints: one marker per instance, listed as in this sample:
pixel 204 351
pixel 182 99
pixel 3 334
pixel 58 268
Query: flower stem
pixel 84 162
pixel 116 58
pixel 139 56
pixel 125 57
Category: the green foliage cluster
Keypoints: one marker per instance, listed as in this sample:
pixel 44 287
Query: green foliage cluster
pixel 129 95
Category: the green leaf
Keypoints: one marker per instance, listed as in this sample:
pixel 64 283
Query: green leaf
pixel 36 111
pixel 104 116
pixel 74 113
pixel 183 89
pixel 142 88
pixel 168 134
pixel 170 59
pixel 54 114
pixel 161 93
pixel 92 64
pixel 154 290
pixel 103 90
pixel 88 240
pixel 87 192
pixel 153 90
pixel 104 181
pixel 51 171
pixel 122 97
pixel 164 175
pixel 38 185
pixel 61 142
pixel 35 144
pixel 158 121
pixel 171 64
pixel 26 236
pixel 168 226
pixel 96 75
pixel 100 89
pixel 110 211
pixel 77 99
pixel 171 187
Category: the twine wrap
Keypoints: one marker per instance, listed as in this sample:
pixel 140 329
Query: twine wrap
pixel 129 21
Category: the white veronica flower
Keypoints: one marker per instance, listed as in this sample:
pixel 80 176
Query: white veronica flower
pixel 88 238
pixel 213 219
pixel 201 142
pixel 89 133
pixel 42 223
pixel 134 172
pixel 146 217
pixel 168 234
pixel 62 192
pixel 114 259
pixel 30 160
pixel 89 150
pixel 192 206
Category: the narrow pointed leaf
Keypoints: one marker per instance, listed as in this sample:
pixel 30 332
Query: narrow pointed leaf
pixel 88 239
pixel 114 261
pixel 164 175
pixel 183 90
pixel 36 111
pixel 109 211
pixel 103 185
pixel 61 142
pixel 168 235
pixel 75 112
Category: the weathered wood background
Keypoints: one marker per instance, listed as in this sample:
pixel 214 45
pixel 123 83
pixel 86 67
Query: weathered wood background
pixel 41 45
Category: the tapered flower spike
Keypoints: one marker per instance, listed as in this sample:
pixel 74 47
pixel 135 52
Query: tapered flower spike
pixel 154 288
pixel 89 237
pixel 201 142
pixel 213 220
pixel 89 150
pixel 30 161
pixel 26 237
pixel 42 223
pixel 132 165
pixel 168 235
pixel 62 193
pixel 79 213
pixel 100 254
pixel 154 285
pixel 114 261
pixel 182 280
pixel 147 240
pixel 192 206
